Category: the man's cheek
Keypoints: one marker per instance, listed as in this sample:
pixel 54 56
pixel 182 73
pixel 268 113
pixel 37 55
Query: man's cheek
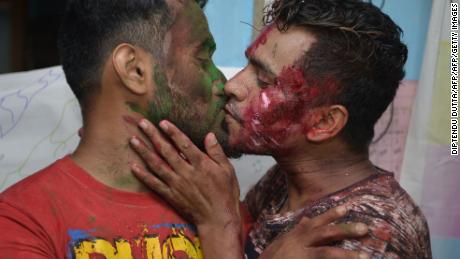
pixel 205 87
pixel 278 109
pixel 284 101
pixel 269 107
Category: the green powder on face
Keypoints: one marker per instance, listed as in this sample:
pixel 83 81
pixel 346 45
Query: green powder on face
pixel 206 83
pixel 161 107
pixel 196 17
pixel 215 75
pixel 136 108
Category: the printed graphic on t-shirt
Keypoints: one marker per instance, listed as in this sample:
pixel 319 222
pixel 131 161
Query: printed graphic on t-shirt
pixel 152 242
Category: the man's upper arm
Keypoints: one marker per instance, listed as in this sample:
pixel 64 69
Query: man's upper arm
pixel 21 236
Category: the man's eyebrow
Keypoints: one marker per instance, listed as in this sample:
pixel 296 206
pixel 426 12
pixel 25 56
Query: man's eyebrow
pixel 262 65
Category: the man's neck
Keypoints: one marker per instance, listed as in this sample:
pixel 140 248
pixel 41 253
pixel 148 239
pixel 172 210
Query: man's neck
pixel 104 151
pixel 312 177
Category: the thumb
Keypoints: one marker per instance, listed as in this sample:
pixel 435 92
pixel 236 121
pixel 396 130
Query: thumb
pixel 214 150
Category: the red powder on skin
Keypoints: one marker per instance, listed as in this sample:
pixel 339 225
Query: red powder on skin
pixel 130 120
pixel 278 107
pixel 261 40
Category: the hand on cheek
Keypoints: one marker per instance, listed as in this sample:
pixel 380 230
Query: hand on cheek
pixel 201 186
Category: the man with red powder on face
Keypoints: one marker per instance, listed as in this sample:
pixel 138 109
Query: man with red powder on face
pixel 124 60
pixel 318 78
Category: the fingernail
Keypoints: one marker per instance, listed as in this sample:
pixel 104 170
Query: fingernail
pixel 212 139
pixel 341 210
pixel 134 141
pixel 361 228
pixel 164 125
pixel 135 168
pixel 143 124
pixel 363 255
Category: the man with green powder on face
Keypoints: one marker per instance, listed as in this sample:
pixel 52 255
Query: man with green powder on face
pixel 318 78
pixel 125 60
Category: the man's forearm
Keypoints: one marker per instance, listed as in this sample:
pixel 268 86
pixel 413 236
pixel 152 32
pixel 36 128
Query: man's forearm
pixel 222 241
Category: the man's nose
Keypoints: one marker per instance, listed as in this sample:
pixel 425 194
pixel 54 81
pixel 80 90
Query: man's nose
pixel 235 89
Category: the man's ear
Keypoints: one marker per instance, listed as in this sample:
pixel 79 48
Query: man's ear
pixel 134 67
pixel 327 123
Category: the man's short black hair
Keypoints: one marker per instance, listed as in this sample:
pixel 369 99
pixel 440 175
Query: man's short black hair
pixel 359 47
pixel 91 29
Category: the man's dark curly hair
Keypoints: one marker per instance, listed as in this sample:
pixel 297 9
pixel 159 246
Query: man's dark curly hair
pixel 359 47
pixel 91 29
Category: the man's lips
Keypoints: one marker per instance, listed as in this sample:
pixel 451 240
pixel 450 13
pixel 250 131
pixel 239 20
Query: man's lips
pixel 229 110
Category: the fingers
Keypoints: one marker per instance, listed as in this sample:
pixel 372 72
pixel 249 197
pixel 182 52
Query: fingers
pixel 320 231
pixel 330 233
pixel 182 142
pixel 328 217
pixel 214 150
pixel 167 151
pixel 152 160
pixel 151 181
pixel 336 253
